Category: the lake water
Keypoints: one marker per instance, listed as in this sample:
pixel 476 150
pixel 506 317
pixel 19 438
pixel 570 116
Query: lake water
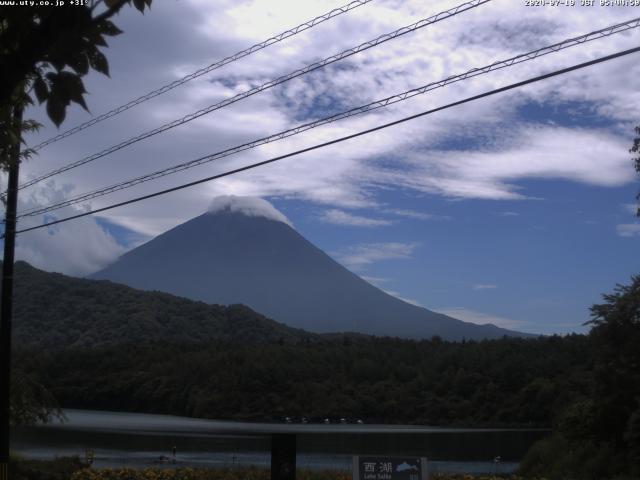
pixel 139 440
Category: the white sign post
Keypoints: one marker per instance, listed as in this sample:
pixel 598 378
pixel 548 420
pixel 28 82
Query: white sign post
pixel 389 468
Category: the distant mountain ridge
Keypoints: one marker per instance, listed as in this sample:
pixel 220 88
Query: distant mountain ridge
pixel 230 256
pixel 54 311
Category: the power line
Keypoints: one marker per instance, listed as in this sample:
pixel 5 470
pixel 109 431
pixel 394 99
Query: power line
pixel 314 66
pixel 339 140
pixel 203 71
pixel 617 28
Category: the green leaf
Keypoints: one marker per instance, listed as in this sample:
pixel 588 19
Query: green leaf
pixel 70 87
pixel 13 138
pixel 41 89
pixel 27 153
pixel 57 94
pixel 79 62
pixel 95 38
pixel 77 97
pixel 108 28
pixel 99 62
pixel 26 99
pixel 139 4
pixel 54 85
pixel 56 111
pixel 31 126
pixel 66 87
pixel 58 63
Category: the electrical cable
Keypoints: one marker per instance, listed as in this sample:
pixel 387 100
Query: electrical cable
pixel 203 71
pixel 314 66
pixel 338 140
pixel 598 34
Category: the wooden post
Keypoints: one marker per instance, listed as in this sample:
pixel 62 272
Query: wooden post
pixel 6 309
pixel 283 456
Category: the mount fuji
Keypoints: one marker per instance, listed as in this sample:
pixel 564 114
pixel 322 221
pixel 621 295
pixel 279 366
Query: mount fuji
pixel 245 251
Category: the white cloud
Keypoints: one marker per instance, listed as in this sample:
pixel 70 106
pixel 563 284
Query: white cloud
pixel 249 206
pixel 375 280
pixel 480 318
pixel 584 155
pixel 340 217
pixel 484 286
pixel 632 208
pixel 404 299
pixel 75 248
pixel 365 254
pixel 628 229
pixel 508 214
pixel 402 212
pixel 175 38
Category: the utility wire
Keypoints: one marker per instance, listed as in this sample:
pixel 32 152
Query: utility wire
pixel 339 140
pixel 620 27
pixel 203 71
pixel 314 66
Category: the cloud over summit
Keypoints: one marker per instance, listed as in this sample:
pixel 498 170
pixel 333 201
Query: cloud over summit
pixel 249 206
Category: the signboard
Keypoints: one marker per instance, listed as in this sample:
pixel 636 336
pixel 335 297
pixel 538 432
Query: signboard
pixel 389 468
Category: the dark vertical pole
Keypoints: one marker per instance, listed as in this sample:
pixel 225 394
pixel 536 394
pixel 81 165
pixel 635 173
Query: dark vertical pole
pixel 6 309
pixel 283 456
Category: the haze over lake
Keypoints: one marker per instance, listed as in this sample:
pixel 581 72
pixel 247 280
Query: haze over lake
pixel 139 440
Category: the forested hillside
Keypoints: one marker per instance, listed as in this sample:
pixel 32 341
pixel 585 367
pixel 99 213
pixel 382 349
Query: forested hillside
pixel 598 435
pixel 491 383
pixel 54 311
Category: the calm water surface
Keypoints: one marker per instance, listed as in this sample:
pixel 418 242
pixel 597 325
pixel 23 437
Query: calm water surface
pixel 138 440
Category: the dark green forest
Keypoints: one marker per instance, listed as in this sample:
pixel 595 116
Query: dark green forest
pixel 598 435
pixel 501 382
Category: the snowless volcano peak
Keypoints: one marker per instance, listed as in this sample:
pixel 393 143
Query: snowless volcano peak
pixel 249 206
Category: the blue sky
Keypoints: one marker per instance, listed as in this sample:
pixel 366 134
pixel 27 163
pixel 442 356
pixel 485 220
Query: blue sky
pixel 515 210
pixel 531 265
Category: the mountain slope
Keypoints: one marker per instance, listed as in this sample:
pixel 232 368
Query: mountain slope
pixel 55 311
pixel 231 257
